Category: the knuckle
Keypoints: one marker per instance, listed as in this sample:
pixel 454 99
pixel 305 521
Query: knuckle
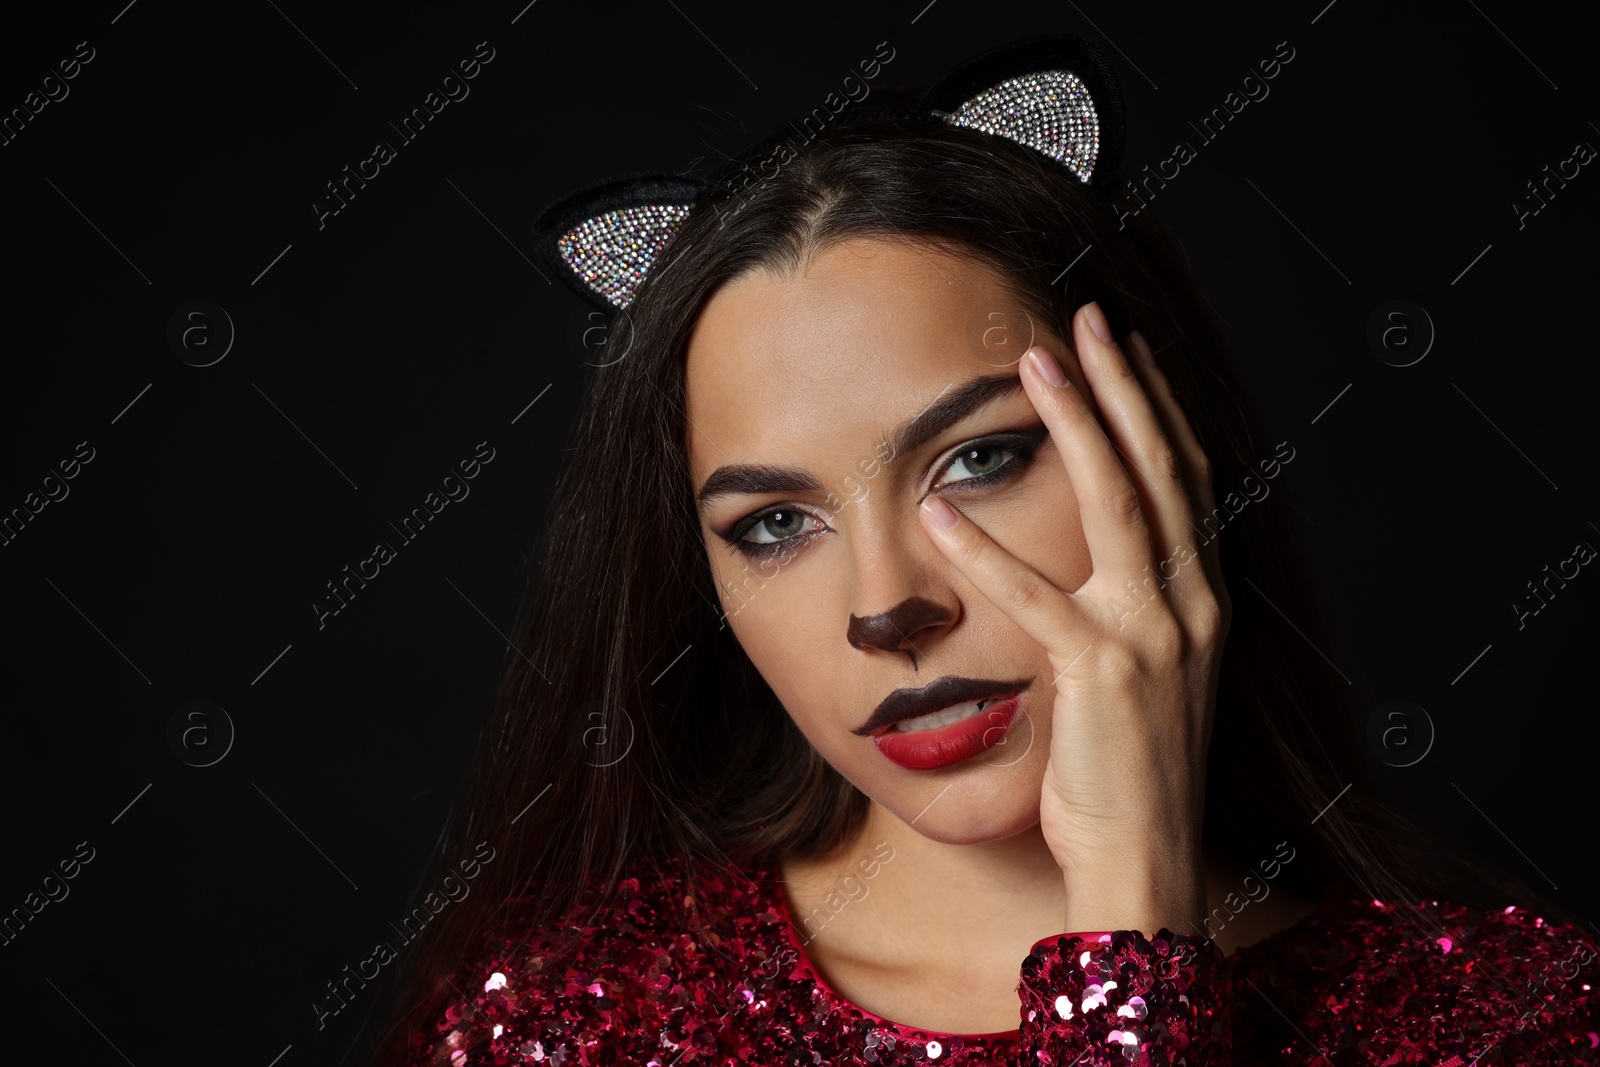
pixel 1119 662
pixel 970 551
pixel 1210 619
pixel 1164 637
pixel 1116 362
pixel 1166 460
pixel 1021 589
pixel 1120 501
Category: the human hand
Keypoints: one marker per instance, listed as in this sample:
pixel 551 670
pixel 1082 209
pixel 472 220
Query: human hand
pixel 1135 674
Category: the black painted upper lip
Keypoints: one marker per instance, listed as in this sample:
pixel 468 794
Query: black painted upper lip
pixel 936 695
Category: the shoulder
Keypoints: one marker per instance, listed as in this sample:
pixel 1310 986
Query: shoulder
pixel 623 971
pixel 1386 982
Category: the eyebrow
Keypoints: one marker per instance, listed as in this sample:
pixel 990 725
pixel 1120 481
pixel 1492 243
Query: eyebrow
pixel 947 409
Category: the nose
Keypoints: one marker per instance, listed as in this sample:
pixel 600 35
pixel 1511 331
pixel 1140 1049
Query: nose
pixel 896 630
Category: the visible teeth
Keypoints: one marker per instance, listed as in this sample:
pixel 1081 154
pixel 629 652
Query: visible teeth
pixel 954 713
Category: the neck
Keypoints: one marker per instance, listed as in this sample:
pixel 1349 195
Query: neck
pixel 890 892
pixel 931 934
pixel 889 886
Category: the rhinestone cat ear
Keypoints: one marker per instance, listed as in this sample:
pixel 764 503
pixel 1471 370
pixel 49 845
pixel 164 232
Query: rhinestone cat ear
pixel 603 239
pixel 1056 95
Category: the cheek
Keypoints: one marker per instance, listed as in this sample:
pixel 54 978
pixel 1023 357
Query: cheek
pixel 786 627
pixel 792 629
pixel 1040 525
pixel 743 581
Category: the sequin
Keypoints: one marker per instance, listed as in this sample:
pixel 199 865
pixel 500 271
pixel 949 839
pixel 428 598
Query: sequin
pixel 1051 112
pixel 613 252
pixel 701 970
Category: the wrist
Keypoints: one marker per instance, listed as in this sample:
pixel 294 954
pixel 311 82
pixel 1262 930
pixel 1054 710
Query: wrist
pixel 1173 899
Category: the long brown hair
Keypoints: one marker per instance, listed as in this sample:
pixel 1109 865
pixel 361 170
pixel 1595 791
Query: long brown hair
pixel 622 636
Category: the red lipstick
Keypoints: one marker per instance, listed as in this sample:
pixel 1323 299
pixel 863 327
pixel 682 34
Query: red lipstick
pixel 926 750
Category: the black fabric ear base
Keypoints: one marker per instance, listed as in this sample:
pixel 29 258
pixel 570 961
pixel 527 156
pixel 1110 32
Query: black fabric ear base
pixel 1054 52
pixel 611 194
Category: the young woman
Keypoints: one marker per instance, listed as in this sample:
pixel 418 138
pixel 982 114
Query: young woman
pixel 917 670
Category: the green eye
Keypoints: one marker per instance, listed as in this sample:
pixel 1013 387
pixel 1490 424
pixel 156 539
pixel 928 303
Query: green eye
pixel 781 524
pixel 991 461
pixel 979 460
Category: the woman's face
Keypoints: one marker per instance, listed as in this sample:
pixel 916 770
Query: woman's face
pixel 798 389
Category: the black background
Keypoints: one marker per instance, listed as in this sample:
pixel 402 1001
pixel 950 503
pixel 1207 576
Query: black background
pixel 380 349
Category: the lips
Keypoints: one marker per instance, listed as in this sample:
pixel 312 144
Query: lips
pixel 926 750
pixel 949 720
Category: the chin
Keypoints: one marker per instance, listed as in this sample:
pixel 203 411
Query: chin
pixel 977 822
pixel 988 798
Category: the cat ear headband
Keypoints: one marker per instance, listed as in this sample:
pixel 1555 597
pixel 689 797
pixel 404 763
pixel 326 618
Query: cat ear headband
pixel 1055 95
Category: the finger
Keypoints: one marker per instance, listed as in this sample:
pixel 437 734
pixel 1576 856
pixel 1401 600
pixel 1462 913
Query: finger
pixel 1113 519
pixel 1045 613
pixel 1196 464
pixel 1135 429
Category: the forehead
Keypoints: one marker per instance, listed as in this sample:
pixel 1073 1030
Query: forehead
pixel 862 336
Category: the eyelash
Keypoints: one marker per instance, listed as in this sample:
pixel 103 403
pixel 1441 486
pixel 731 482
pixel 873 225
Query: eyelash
pixel 1022 445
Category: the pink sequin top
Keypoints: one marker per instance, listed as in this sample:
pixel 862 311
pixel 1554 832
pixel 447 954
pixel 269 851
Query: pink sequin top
pixel 1354 982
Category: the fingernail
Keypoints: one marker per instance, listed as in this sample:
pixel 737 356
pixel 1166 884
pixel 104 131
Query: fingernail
pixel 1097 322
pixel 941 513
pixel 1046 365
